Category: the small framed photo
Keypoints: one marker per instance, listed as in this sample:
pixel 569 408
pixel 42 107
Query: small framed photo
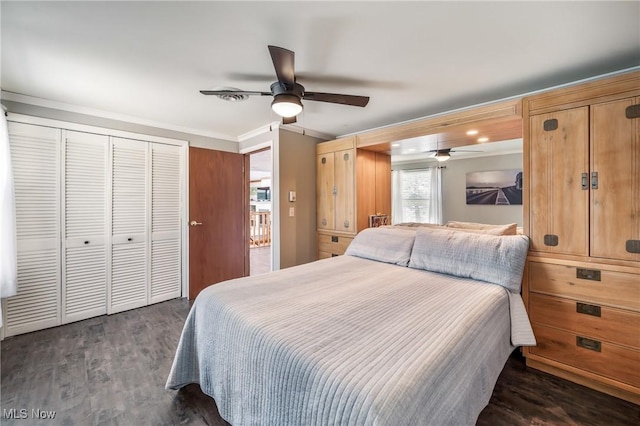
pixel 376 220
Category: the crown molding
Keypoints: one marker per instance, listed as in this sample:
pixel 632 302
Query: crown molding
pixel 62 106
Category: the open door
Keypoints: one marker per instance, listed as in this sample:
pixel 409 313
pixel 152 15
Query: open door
pixel 218 248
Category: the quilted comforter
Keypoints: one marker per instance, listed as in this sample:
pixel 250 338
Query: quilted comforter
pixel 348 341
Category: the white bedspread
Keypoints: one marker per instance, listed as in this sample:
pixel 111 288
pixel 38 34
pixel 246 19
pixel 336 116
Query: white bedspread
pixel 348 341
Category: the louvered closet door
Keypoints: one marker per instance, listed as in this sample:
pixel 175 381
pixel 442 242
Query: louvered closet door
pixel 35 158
pixel 84 290
pixel 129 265
pixel 165 222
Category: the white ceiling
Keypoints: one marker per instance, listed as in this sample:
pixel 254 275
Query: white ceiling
pixel 147 61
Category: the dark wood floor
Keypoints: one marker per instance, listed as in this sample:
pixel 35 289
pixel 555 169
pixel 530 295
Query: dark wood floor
pixel 111 370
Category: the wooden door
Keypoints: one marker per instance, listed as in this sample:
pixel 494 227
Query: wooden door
pixel 218 245
pixel 345 190
pixel 615 202
pixel 559 200
pixel 325 197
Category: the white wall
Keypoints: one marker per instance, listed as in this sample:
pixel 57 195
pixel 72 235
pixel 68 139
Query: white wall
pixel 455 206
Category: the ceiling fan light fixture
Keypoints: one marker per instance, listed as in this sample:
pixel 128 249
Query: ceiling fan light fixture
pixel 286 105
pixel 442 156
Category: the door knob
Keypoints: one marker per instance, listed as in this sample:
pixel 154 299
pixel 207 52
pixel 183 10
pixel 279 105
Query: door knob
pixel 194 223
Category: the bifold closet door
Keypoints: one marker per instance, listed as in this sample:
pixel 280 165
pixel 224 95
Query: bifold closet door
pixel 129 257
pixel 84 293
pixel 35 159
pixel 166 252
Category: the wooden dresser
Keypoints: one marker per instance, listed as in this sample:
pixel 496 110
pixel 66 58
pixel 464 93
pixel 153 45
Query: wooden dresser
pixel 582 212
pixel 351 185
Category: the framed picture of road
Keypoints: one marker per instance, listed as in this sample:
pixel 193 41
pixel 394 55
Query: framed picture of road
pixel 500 187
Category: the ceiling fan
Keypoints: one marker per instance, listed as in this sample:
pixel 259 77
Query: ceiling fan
pixel 445 154
pixel 287 93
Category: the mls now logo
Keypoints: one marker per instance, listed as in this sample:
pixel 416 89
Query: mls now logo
pixel 23 413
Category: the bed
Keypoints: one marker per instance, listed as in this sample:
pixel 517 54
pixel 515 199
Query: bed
pixel 408 328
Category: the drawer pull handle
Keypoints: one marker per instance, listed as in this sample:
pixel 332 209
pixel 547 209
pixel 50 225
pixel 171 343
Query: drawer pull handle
pixel 334 255
pixel 592 345
pixel 585 181
pixel 86 242
pixel 334 239
pixel 588 274
pixel 583 308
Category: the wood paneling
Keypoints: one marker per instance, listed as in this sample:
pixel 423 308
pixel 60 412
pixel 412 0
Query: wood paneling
pixel 216 199
pixel 325 207
pixel 366 191
pixel 625 85
pixel 383 184
pixel 455 123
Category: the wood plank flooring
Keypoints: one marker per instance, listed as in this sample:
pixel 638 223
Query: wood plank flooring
pixel 111 370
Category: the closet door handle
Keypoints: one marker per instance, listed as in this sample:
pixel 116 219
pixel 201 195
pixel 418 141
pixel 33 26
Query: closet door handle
pixel 585 181
pixel 194 223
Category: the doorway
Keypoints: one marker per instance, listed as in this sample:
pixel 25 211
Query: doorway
pixel 260 210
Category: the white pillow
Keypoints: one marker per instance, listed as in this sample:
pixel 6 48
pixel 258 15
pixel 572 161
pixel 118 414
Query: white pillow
pixel 387 245
pixel 484 228
pixel 495 259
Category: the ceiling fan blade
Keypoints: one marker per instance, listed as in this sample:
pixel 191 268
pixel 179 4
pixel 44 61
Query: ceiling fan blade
pixel 316 78
pixel 234 92
pixel 289 120
pixel 283 62
pixel 335 98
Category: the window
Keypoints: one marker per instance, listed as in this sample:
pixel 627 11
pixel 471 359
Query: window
pixel 416 196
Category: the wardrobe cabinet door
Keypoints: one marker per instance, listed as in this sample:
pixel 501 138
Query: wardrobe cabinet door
pixel 35 160
pixel 166 248
pixel 345 190
pixel 324 191
pixel 615 200
pixel 84 290
pixel 559 184
pixel 129 258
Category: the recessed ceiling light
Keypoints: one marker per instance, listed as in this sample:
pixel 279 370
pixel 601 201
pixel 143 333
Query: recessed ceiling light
pixel 395 145
pixel 472 132
pixel 483 139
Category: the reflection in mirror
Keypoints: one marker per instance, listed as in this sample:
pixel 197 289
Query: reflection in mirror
pixel 429 191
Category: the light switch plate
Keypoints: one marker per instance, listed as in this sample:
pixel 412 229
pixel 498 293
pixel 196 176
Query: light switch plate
pixel 292 196
pixel 292 211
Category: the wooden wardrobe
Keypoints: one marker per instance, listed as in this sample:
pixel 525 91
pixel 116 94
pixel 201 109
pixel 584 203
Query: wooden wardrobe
pixel 352 184
pixel 582 213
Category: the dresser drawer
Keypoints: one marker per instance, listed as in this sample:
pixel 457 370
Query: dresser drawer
pixel 598 322
pixel 334 244
pixel 599 357
pixel 598 286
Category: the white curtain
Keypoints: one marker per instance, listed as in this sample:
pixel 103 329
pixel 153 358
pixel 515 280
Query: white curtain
pixel 8 244
pixel 416 196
